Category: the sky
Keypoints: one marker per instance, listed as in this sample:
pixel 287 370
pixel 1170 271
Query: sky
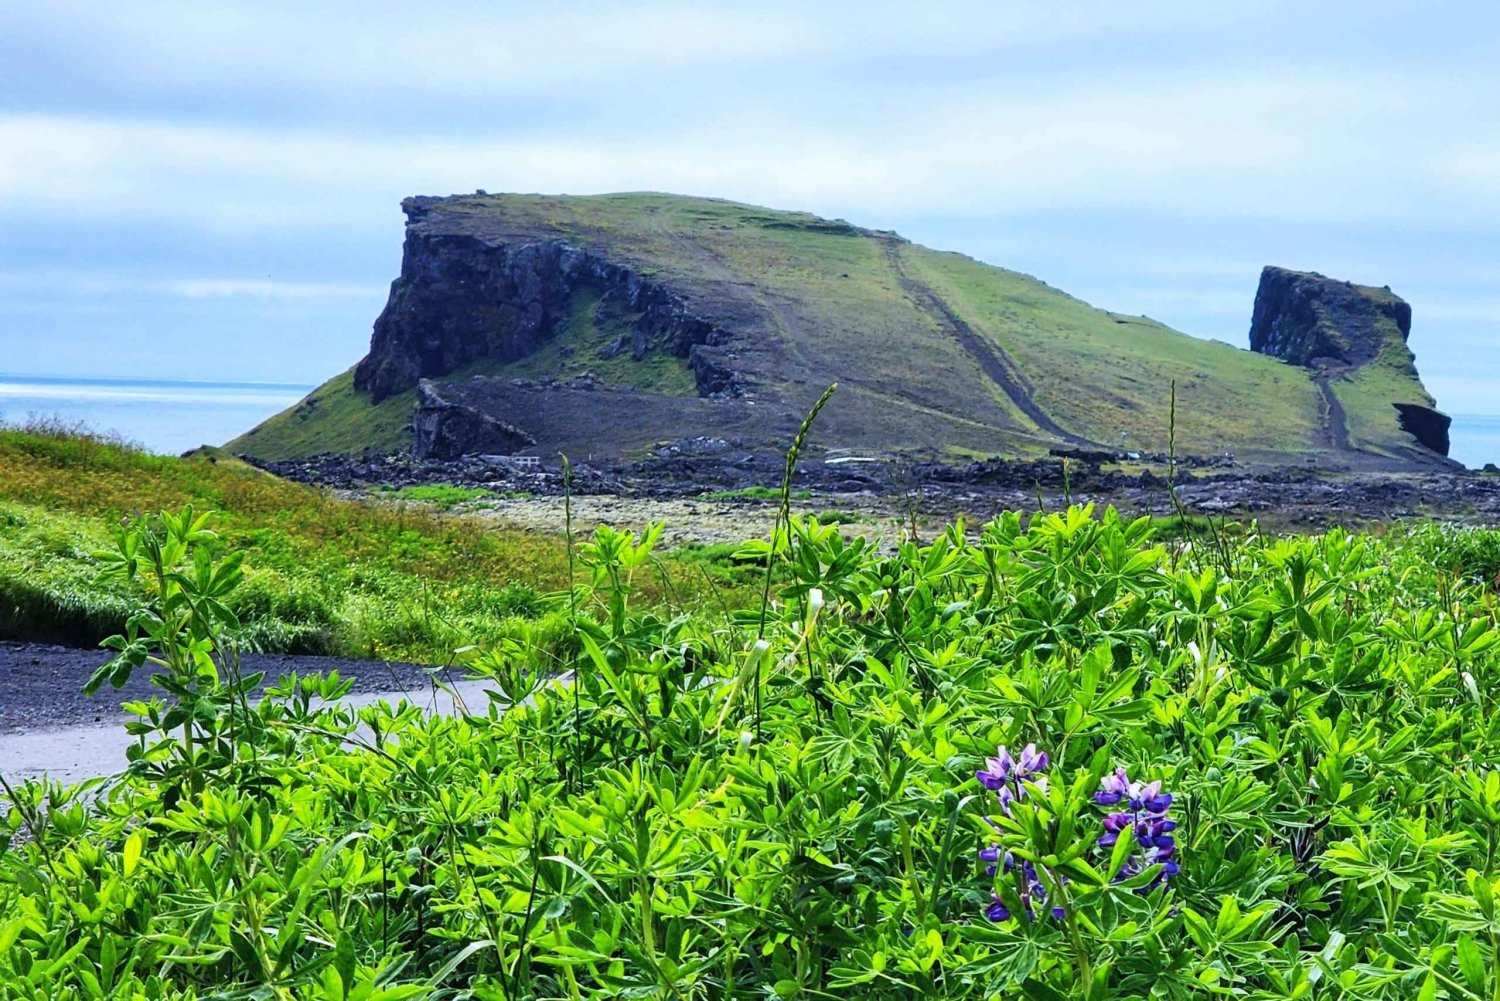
pixel 211 190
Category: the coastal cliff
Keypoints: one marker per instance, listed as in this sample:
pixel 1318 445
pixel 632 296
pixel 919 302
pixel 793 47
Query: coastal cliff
pixel 462 299
pixel 619 326
pixel 1344 333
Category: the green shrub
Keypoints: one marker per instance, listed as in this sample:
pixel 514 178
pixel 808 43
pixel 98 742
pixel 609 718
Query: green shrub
pixel 443 495
pixel 755 493
pixel 1471 553
pixel 1275 782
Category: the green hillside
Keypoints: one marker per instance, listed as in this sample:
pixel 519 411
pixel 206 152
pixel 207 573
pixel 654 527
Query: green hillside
pixel 934 351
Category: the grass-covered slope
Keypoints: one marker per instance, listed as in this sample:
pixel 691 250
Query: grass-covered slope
pixel 390 580
pixel 1366 394
pixel 1113 374
pixel 332 418
pixel 933 351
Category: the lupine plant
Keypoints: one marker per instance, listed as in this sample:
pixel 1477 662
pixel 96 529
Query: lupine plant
pixel 1144 821
pixel 1271 775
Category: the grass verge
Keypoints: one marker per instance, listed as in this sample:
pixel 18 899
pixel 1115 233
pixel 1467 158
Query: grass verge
pixel 328 576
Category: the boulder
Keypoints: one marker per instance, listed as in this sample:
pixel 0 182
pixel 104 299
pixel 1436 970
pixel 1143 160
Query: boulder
pixel 445 429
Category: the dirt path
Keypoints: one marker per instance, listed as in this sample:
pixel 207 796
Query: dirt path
pixel 1336 428
pixel 993 361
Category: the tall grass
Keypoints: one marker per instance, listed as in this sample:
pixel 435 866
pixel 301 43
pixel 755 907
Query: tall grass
pixel 328 575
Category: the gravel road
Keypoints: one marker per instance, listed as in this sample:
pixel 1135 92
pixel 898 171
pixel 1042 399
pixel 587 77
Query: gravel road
pixel 49 727
pixel 41 686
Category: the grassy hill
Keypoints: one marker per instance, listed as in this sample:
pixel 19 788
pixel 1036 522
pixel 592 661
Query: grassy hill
pixel 393 580
pixel 933 351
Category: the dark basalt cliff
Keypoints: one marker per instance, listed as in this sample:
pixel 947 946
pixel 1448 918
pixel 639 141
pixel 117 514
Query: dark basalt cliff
pixel 1335 329
pixel 1313 321
pixel 1428 426
pixel 446 428
pixel 462 299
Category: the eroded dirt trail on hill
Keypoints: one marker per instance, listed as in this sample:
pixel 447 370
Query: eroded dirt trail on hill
pixel 993 361
pixel 1335 427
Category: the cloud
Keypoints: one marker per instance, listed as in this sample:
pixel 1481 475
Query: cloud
pixel 315 54
pixel 1146 159
pixel 109 284
pixel 1231 147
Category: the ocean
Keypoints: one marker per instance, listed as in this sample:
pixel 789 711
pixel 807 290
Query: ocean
pixel 1474 439
pixel 171 417
pixel 160 416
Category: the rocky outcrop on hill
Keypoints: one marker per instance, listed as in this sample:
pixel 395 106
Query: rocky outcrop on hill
pixel 1335 329
pixel 1428 426
pixel 444 428
pixel 463 299
pixel 1313 321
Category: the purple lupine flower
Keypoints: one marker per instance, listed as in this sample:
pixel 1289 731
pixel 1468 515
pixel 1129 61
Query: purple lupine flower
pixel 1032 760
pixel 1033 893
pixel 1006 776
pixel 1113 788
pixel 1148 821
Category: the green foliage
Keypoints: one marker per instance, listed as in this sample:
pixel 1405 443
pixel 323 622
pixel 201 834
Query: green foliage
pixel 1471 553
pixel 49 586
pixel 756 493
pixel 443 495
pixel 611 825
pixel 326 576
pixel 1194 526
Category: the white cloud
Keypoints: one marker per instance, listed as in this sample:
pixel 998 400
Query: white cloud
pixel 105 283
pixel 1232 147
pixel 1358 144
pixel 489 51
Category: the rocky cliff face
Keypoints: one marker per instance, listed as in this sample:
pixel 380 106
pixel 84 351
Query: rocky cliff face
pixel 1313 321
pixel 461 299
pixel 1336 329
pixel 1428 426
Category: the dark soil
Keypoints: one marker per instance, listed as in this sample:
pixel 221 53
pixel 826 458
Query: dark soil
pixel 42 685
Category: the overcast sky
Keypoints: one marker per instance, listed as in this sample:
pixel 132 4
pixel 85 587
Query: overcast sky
pixel 211 190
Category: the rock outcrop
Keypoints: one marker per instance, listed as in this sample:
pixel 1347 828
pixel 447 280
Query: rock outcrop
pixel 1428 426
pixel 463 299
pixel 1336 329
pixel 1317 322
pixel 444 428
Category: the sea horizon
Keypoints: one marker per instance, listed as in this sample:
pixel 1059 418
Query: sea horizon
pixel 167 416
